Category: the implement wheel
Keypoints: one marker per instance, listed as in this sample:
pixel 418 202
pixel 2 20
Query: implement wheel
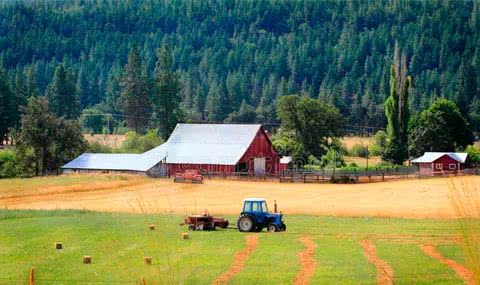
pixel 246 224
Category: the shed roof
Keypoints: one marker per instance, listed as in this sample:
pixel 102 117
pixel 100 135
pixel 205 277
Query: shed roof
pixel 429 157
pixel 220 144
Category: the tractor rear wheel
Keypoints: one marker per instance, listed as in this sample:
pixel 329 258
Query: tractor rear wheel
pixel 272 228
pixel 245 224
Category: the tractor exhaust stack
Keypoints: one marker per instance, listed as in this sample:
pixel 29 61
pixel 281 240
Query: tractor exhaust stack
pixel 275 206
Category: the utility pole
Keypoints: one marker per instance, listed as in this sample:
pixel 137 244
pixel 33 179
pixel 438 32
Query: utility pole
pixel 367 155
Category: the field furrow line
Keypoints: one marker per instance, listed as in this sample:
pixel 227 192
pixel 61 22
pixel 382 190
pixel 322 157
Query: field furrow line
pixel 239 260
pixel 385 274
pixel 462 271
pixel 307 261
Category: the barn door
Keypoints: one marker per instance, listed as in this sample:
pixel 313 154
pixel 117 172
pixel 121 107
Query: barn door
pixel 259 165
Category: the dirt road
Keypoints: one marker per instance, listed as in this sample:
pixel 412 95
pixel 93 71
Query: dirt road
pixel 426 198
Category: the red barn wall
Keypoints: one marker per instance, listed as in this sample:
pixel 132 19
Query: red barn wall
pixel 261 146
pixel 174 168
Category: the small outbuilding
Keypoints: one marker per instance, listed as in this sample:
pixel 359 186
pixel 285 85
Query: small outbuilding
pixel 226 148
pixel 431 163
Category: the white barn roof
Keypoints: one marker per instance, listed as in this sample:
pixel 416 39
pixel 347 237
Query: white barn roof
pixel 429 157
pixel 220 144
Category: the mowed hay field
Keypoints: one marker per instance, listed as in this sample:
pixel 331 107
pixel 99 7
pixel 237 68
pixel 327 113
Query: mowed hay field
pixel 424 198
pixel 373 245
pixel 315 250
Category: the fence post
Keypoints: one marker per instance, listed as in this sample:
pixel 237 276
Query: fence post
pixel 31 279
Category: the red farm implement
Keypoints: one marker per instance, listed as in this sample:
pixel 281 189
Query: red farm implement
pixel 205 222
pixel 188 176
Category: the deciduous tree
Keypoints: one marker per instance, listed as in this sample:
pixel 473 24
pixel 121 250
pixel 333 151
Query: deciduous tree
pixel 442 127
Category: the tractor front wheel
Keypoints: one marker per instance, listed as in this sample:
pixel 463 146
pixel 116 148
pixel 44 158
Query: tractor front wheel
pixel 245 224
pixel 271 228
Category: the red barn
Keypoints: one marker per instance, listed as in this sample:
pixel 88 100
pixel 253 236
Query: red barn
pixel 207 147
pixel 431 163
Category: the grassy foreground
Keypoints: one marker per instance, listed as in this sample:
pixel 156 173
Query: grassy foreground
pixel 118 243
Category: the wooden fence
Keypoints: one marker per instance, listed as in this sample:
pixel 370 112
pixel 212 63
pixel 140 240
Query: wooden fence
pixel 336 176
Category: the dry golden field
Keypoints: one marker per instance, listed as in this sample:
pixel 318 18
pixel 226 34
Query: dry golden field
pixel 113 141
pixel 426 198
pixel 348 142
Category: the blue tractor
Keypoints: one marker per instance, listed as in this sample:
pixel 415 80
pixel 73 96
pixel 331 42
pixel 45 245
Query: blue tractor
pixel 255 217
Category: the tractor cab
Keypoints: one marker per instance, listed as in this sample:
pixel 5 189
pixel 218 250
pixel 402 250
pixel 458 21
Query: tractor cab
pixel 255 216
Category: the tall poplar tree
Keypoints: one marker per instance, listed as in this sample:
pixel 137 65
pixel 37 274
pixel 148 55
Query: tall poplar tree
pixel 135 92
pixel 397 113
pixel 166 95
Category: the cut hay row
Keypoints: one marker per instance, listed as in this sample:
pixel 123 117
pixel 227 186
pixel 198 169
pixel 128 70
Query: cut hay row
pixel 461 270
pixel 239 260
pixel 385 274
pixel 307 261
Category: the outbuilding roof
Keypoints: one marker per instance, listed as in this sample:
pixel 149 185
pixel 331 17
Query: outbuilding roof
pixel 429 157
pixel 220 144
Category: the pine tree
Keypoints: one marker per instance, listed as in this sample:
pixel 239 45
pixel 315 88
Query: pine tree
pixel 31 78
pixel 166 94
pixel 113 90
pixel 83 89
pixel 135 92
pixel 20 96
pixel 213 107
pixel 6 107
pixel 61 94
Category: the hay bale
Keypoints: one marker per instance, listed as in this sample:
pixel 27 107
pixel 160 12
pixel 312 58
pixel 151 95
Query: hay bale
pixel 185 236
pixel 58 245
pixel 151 227
pixel 87 259
pixel 147 260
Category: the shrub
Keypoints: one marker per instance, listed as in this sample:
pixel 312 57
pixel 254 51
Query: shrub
pixel 96 147
pixel 375 150
pixel 9 165
pixel 136 143
pixel 332 159
pixel 358 150
pixel 474 153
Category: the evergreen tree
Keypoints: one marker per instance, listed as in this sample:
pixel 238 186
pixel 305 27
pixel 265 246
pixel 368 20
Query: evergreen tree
pixel 213 104
pixel 7 106
pixel 166 95
pixel 32 89
pixel 83 89
pixel 474 113
pixel 113 90
pixel 135 92
pixel 61 94
pixel 245 114
pixel 20 96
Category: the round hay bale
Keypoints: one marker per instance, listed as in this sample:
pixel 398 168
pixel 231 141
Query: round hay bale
pixel 185 236
pixel 87 259
pixel 58 245
pixel 151 227
pixel 147 260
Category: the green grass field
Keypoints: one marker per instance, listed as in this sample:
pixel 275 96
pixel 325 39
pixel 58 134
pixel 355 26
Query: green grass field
pixel 118 243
